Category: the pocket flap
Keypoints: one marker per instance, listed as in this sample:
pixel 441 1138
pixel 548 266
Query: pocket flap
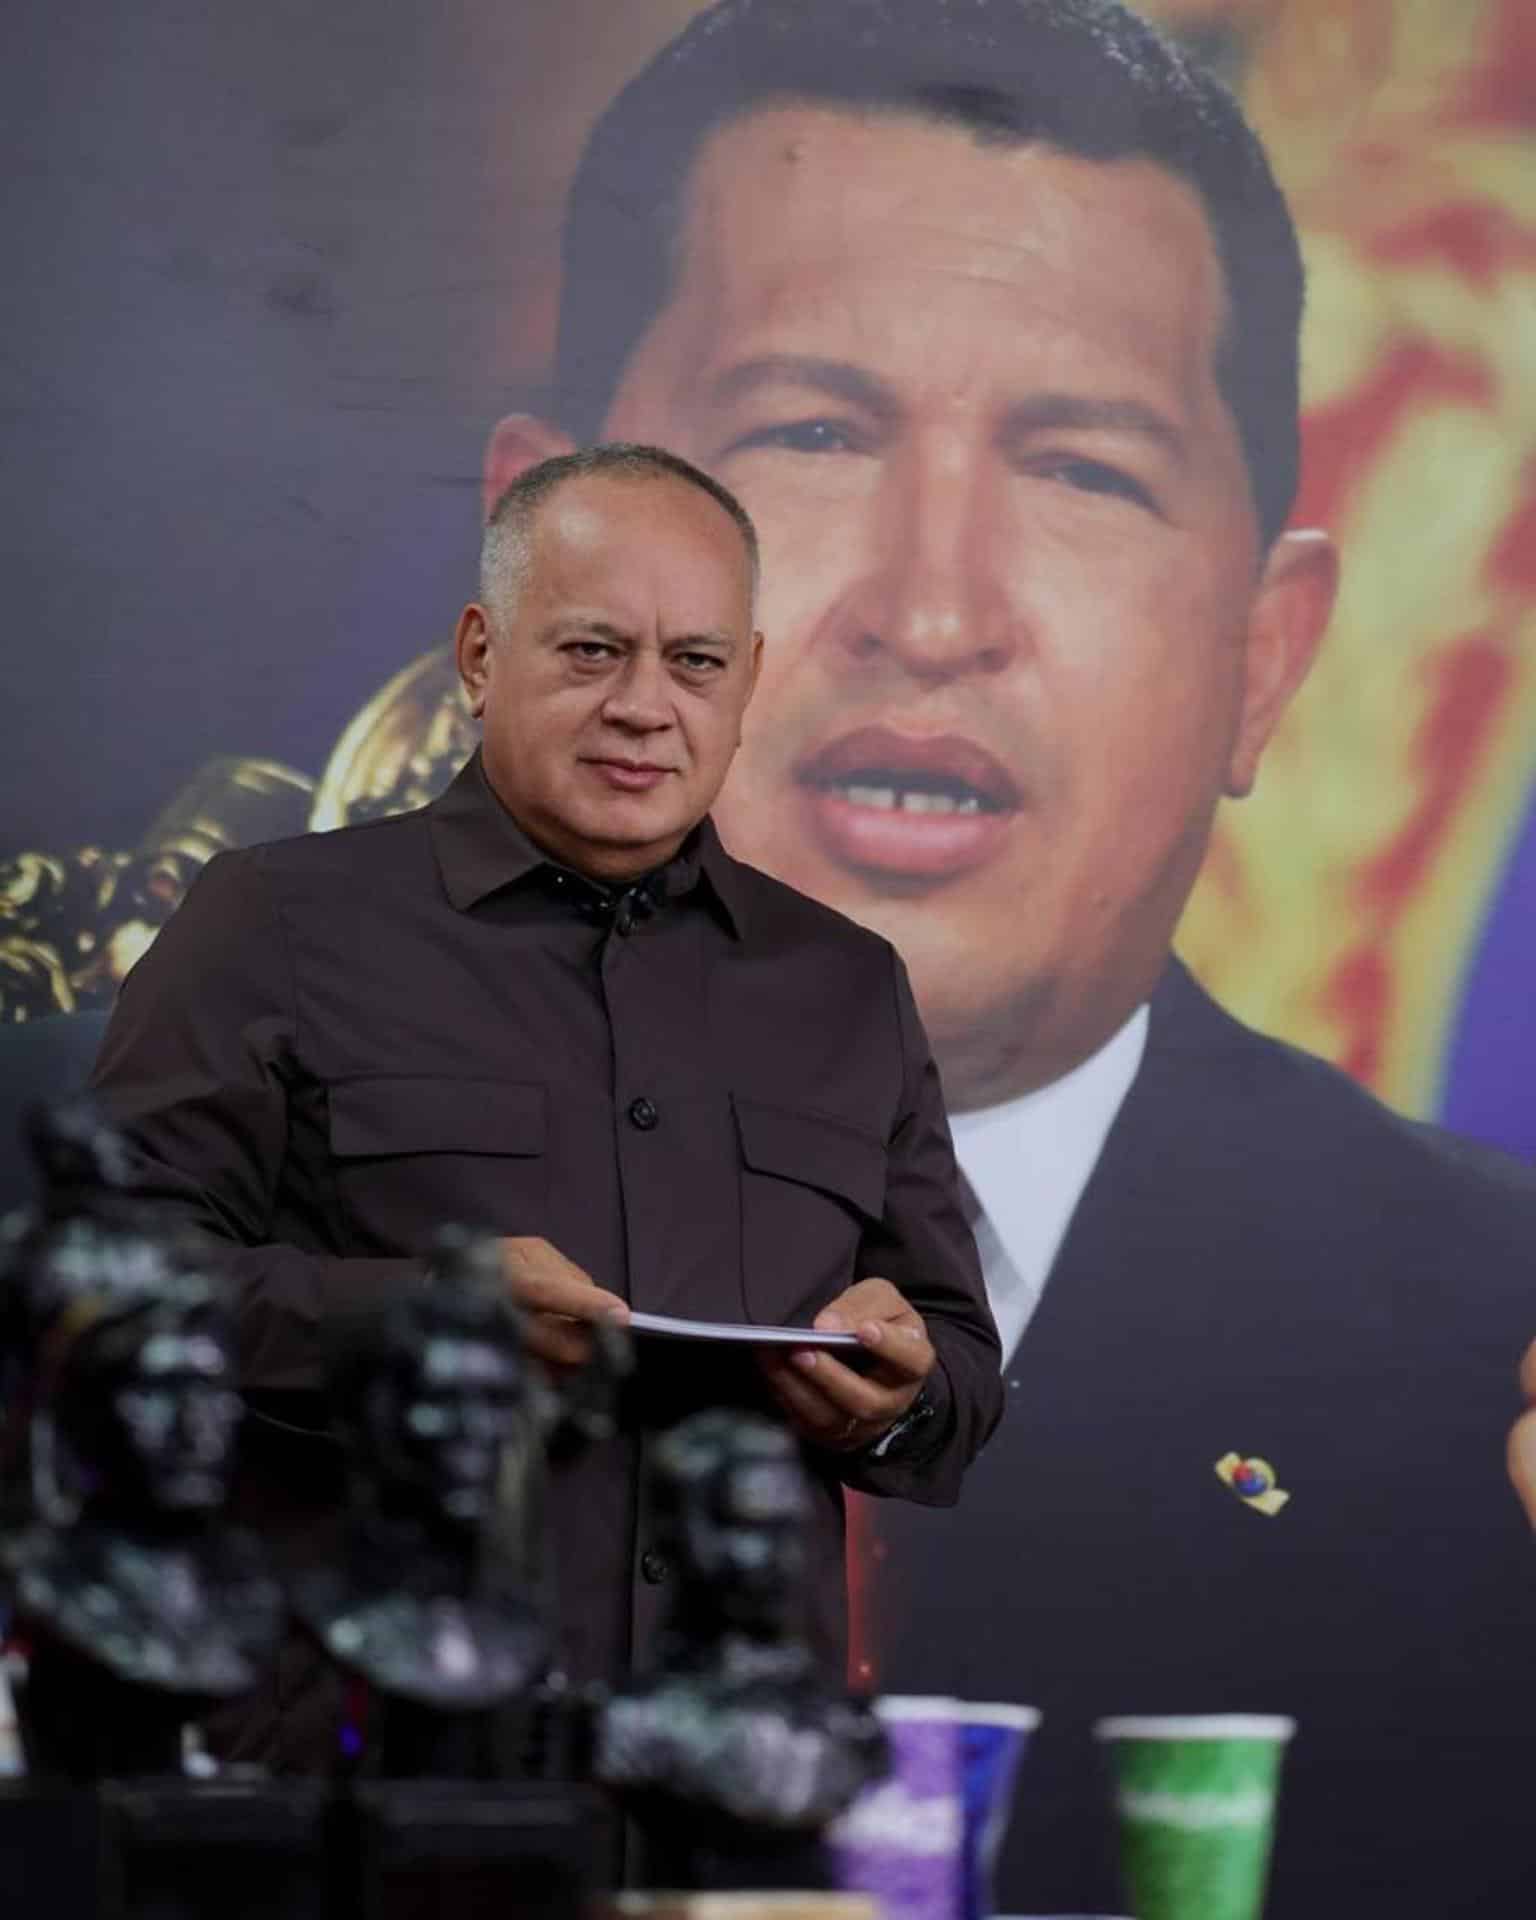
pixel 391 1115
pixel 813 1150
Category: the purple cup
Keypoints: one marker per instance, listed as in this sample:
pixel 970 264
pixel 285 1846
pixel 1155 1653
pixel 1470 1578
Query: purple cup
pixel 903 1841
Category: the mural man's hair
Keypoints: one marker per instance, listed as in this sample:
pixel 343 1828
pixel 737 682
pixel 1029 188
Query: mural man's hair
pixel 504 546
pixel 1084 76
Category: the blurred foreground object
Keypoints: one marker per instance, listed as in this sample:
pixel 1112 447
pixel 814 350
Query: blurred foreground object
pixel 732 1753
pixel 1195 1795
pixel 133 1606
pixel 434 1608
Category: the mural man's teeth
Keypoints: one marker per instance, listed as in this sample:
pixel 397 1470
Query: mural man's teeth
pixel 910 799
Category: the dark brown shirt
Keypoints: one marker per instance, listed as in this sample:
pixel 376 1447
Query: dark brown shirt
pixel 727 1111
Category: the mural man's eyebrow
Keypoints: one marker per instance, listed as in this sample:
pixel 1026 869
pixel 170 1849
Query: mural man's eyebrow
pixel 836 378
pixel 1044 411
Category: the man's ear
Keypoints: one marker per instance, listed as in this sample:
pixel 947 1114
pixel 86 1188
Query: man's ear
pixel 517 442
pixel 1286 622
pixel 472 650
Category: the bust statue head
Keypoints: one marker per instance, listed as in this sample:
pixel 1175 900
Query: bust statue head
pixel 123 1346
pixel 731 1508
pixel 429 1407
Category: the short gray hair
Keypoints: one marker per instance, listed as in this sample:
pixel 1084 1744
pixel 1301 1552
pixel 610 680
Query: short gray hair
pixel 509 528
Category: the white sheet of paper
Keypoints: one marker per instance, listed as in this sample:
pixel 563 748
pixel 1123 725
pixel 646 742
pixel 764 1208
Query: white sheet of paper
pixel 742 1332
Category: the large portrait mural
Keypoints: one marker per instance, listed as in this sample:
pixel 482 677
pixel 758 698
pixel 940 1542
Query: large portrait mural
pixel 272 305
pixel 1051 677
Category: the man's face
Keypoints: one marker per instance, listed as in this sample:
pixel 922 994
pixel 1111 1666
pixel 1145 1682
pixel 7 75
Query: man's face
pixel 1010 561
pixel 613 688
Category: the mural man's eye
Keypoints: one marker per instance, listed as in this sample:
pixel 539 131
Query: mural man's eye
pixel 1093 476
pixel 804 436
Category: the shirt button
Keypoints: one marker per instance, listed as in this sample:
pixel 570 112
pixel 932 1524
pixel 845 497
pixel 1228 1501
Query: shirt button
pixel 643 1114
pixel 653 1567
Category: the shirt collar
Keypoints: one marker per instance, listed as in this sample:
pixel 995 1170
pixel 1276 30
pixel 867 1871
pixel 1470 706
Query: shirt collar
pixel 480 849
pixel 1028 1160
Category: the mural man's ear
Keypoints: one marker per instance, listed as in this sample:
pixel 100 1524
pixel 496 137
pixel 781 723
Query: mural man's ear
pixel 517 442
pixel 1285 628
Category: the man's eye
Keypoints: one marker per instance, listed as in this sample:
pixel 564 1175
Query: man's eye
pixel 589 650
pixel 1093 476
pixel 803 436
pixel 700 662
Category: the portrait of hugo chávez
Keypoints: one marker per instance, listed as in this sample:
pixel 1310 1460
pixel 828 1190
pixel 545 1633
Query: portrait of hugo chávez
pixel 989 314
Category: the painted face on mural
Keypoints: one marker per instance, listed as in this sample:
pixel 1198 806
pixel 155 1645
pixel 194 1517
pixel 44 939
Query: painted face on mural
pixel 613 687
pixel 1021 637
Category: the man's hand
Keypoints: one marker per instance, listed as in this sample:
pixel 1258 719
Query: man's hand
pixel 1522 1441
pixel 559 1301
pixel 828 1403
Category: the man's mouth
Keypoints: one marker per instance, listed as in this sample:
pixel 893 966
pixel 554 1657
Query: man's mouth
pixel 629 776
pixel 919 807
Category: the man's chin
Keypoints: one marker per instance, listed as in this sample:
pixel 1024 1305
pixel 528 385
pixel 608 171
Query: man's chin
pixel 630 831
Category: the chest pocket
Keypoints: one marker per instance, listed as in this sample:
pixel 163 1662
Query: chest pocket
pixel 411 1155
pixel 810 1188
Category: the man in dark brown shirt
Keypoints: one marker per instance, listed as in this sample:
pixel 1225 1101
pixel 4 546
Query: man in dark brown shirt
pixel 552 1006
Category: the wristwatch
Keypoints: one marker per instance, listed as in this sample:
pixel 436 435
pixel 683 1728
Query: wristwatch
pixel 905 1434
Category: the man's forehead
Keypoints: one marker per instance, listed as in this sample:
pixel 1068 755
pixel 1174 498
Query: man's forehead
pixel 586 517
pixel 612 530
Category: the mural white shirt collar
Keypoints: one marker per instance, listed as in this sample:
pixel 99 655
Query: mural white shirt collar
pixel 1028 1162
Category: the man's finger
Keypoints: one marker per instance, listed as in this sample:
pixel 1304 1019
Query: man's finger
pixel 577 1300
pixel 817 1418
pixel 902 1353
pixel 558 1341
pixel 830 1395
pixel 814 1414
pixel 542 1280
pixel 866 1300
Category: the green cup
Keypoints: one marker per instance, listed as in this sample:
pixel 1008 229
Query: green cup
pixel 1195 1796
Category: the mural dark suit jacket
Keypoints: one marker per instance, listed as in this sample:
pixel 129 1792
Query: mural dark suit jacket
pixel 1265 1261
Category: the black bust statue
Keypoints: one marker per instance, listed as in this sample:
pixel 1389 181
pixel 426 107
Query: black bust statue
pixel 432 1610
pixel 134 1605
pixel 733 1751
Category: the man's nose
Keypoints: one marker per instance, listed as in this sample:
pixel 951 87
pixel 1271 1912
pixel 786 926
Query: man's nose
pixel 640 698
pixel 933 599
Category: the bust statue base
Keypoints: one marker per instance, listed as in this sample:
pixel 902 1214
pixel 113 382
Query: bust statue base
pixel 167 1848
pixel 248 1849
pixel 420 1849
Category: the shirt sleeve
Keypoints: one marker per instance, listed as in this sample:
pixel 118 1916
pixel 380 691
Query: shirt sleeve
pixel 925 1248
pixel 197 1070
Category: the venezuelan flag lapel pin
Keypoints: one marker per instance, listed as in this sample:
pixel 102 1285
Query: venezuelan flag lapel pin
pixel 1253 1481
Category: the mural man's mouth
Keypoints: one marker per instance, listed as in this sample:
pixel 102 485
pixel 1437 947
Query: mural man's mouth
pixel 891 791
pixel 907 805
